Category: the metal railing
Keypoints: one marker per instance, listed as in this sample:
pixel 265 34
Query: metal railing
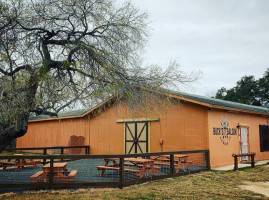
pixel 45 149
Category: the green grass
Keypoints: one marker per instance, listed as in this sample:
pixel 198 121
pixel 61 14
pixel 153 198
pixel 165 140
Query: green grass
pixel 204 185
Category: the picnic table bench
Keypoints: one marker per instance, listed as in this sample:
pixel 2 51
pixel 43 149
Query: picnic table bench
pixel 114 166
pixel 143 166
pixel 60 173
pixel 180 161
pixel 19 163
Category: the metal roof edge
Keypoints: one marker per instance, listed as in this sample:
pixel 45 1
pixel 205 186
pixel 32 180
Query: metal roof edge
pixel 74 116
pixel 169 93
pixel 239 110
pixel 223 107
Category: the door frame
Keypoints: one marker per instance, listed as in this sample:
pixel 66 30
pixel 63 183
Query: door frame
pixel 136 136
pixel 240 140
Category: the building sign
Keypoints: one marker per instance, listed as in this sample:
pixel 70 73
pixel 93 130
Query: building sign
pixel 224 133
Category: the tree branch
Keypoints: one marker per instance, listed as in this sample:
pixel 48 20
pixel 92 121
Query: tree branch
pixel 33 29
pixel 23 67
pixel 40 111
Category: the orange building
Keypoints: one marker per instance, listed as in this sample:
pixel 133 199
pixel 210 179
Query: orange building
pixel 190 122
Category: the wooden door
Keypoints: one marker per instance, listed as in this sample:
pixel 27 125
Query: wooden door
pixel 136 137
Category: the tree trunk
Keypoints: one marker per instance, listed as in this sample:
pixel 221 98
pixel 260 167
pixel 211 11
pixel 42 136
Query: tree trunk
pixel 8 135
pixel 18 129
pixel 9 132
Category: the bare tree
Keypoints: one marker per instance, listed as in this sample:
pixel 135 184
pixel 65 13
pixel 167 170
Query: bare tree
pixel 57 53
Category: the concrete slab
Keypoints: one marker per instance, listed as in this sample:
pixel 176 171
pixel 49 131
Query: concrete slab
pixel 257 187
pixel 231 167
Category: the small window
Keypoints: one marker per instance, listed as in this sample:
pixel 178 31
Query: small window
pixel 264 138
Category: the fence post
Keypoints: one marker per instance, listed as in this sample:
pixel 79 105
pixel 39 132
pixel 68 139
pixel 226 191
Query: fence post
pixel 172 166
pixel 252 160
pixel 51 173
pixel 121 172
pixel 87 150
pixel 44 153
pixel 235 163
pixel 207 160
pixel 62 152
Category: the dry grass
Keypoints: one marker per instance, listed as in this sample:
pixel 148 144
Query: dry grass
pixel 205 185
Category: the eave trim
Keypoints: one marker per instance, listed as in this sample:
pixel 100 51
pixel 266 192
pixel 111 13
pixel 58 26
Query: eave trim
pixel 139 120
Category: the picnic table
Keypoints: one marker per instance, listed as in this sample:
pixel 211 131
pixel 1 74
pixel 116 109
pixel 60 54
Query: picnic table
pixel 60 173
pixel 180 161
pixel 141 166
pixel 19 163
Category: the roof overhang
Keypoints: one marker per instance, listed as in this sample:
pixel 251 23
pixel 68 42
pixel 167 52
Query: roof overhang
pixel 95 108
pixel 181 98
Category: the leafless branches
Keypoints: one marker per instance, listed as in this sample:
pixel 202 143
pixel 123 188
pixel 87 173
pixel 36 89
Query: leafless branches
pixel 60 53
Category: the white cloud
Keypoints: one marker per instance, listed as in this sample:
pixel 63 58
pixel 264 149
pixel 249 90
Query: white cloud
pixel 225 39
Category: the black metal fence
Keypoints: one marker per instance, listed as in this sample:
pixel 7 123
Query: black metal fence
pixel 53 150
pixel 44 150
pixel 63 171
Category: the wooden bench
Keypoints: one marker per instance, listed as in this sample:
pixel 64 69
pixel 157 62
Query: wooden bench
pixel 144 166
pixel 34 178
pixel 116 169
pixel 72 174
pixel 42 176
pixel 19 163
pixel 23 163
pixel 132 165
pixel 36 174
pixel 6 164
pixel 161 163
pixel 177 164
pixel 108 168
pixel 137 171
pixel 251 155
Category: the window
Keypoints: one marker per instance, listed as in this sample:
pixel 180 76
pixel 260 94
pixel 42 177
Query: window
pixel 264 138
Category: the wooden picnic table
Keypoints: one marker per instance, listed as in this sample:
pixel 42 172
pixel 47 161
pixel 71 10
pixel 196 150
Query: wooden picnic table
pixel 145 166
pixel 180 161
pixel 142 166
pixel 60 173
pixel 106 165
pixel 19 163
pixel 113 160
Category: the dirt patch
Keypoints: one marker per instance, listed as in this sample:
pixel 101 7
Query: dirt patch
pixel 257 187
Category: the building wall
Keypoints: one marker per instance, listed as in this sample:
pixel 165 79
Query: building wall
pixel 54 133
pixel 221 150
pixel 182 126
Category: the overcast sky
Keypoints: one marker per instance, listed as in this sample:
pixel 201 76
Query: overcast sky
pixel 224 39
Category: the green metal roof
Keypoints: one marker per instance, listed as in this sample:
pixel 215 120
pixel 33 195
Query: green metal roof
pixel 219 102
pixel 61 114
pixel 208 100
